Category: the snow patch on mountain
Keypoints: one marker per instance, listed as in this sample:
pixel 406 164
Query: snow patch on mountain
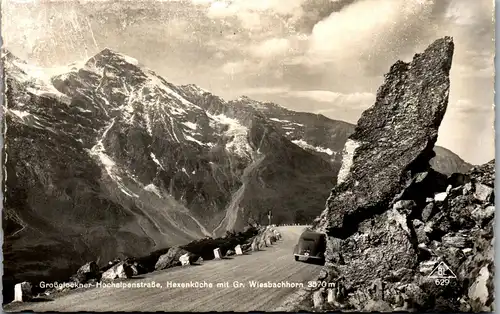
pixel 37 79
pixel 156 81
pixel 305 145
pixel 29 119
pixel 255 104
pixel 193 88
pixel 43 75
pixel 278 120
pixel 191 125
pixel 92 67
pixel 128 59
pixel 156 161
pixel 20 114
pixel 192 139
pixel 152 188
pixel 83 110
pixel 177 111
pixel 99 151
pixel 236 133
pixel 109 165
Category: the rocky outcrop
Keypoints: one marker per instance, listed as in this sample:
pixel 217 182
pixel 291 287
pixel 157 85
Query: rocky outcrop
pixel 121 270
pixel 265 238
pixel 170 259
pixel 203 249
pixel 400 236
pixel 393 259
pixel 87 272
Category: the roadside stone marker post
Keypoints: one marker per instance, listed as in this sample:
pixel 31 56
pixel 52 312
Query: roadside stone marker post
pixel 238 250
pixel 217 253
pixel 255 246
pixel 22 292
pixel 440 197
pixel 268 242
pixel 331 296
pixel 184 259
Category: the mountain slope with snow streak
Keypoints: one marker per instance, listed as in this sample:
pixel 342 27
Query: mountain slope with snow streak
pixel 107 159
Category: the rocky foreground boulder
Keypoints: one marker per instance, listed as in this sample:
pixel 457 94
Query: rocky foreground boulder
pixel 87 272
pixel 121 270
pixel 402 237
pixel 171 258
pixel 392 262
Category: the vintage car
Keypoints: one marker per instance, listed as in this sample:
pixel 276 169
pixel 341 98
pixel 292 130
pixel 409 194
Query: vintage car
pixel 312 245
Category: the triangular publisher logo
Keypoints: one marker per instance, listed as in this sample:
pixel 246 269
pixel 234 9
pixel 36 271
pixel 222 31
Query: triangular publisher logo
pixel 442 271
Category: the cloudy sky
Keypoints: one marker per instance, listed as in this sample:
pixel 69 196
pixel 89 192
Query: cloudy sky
pixel 322 56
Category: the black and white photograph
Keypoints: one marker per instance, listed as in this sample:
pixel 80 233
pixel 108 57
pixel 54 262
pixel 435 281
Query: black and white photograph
pixel 248 155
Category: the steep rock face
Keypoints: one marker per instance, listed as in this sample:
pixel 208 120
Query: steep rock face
pixel 263 171
pixel 393 140
pixel 386 246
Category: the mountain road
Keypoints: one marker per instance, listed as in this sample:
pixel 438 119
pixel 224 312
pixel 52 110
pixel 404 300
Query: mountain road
pixel 225 285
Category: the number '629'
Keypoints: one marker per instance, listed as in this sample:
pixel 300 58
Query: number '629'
pixel 442 282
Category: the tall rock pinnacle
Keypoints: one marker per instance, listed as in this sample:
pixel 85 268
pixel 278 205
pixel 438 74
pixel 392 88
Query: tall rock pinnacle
pixel 393 139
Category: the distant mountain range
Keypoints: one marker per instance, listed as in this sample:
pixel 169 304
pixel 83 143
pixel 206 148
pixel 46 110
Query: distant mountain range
pixel 106 158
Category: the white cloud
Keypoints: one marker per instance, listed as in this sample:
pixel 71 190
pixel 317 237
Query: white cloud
pixel 272 47
pixel 264 90
pixel 235 68
pixel 468 130
pixel 335 97
pixel 250 20
pixel 359 31
pixel 275 6
pixel 221 9
pixel 251 13
pixel 462 13
pixel 470 71
pixel 202 2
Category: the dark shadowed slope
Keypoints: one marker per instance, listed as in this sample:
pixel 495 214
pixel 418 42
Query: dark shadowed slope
pixel 448 162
